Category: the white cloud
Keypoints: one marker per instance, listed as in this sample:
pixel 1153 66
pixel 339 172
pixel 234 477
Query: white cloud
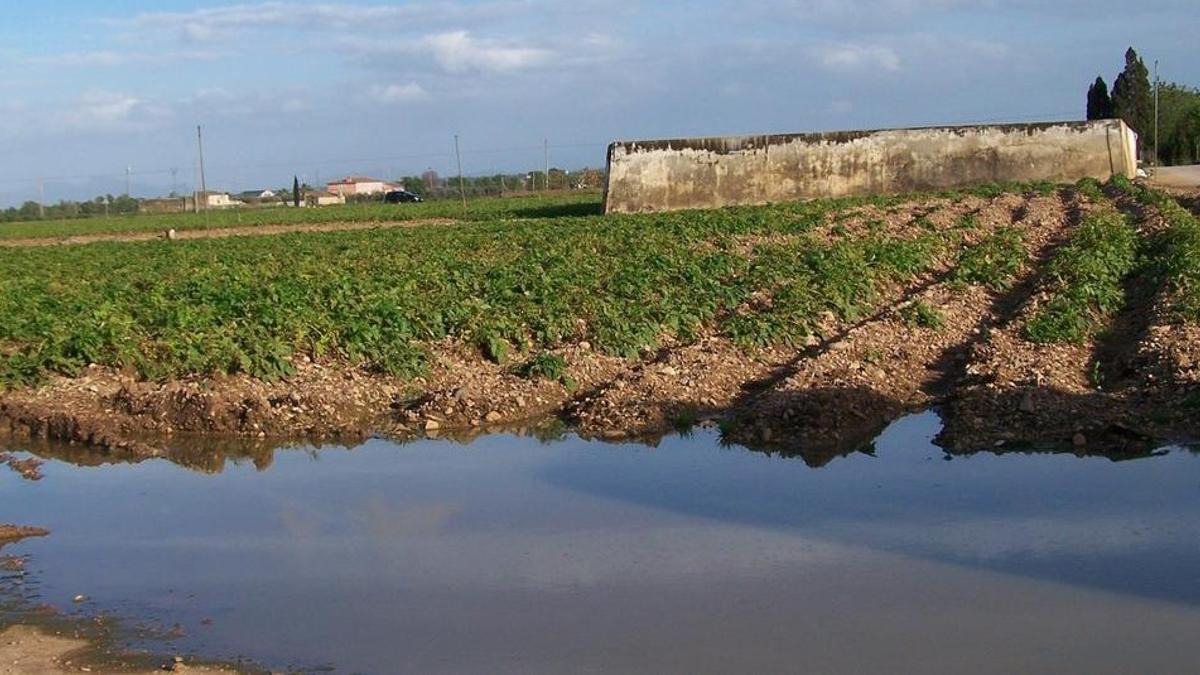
pixel 213 23
pixel 101 110
pixel 857 57
pixel 455 52
pixel 459 52
pixel 112 58
pixel 397 93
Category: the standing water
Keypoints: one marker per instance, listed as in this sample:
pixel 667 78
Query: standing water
pixel 510 555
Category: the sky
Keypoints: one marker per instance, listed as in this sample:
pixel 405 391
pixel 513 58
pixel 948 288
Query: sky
pixel 91 92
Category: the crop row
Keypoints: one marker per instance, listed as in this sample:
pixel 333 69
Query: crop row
pixel 1176 254
pixel 376 298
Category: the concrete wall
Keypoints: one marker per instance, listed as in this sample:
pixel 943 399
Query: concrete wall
pixel 712 172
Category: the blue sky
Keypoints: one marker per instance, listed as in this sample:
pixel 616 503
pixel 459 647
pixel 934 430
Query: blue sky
pixel 328 88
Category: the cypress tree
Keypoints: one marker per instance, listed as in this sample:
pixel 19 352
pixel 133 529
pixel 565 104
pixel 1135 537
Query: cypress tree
pixel 1131 96
pixel 295 191
pixel 1099 105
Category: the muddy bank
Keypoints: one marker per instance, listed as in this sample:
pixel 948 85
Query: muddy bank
pixel 13 533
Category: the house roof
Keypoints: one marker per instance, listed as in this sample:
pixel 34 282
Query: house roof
pixel 349 180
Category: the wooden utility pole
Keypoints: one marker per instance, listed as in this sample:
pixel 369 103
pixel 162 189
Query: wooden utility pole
pixel 1156 112
pixel 203 184
pixel 462 191
pixel 546 154
pixel 41 200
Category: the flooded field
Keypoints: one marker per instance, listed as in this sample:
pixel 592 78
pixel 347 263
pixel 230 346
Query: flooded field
pixel 514 555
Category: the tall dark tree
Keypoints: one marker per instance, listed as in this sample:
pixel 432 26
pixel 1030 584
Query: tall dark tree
pixel 1131 96
pixel 295 191
pixel 1099 105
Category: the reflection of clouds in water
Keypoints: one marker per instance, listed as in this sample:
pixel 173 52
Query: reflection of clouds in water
pixel 299 520
pixel 385 521
pixel 989 538
pixel 613 557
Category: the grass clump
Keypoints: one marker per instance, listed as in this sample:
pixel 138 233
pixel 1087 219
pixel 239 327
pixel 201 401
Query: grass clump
pixel 1086 275
pixel 1091 189
pixel 994 262
pixel 921 314
pixel 547 366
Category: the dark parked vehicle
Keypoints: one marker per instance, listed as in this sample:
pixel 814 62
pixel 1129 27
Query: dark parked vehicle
pixel 401 197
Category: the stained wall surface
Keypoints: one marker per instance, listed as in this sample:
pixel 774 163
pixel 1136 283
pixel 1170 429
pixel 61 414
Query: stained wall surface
pixel 712 172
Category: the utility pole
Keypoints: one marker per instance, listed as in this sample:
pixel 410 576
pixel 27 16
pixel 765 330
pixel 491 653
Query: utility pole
pixel 462 191
pixel 1155 112
pixel 174 182
pixel 546 154
pixel 203 184
pixel 41 199
pixel 128 171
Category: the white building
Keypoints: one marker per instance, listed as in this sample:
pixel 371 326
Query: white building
pixel 359 185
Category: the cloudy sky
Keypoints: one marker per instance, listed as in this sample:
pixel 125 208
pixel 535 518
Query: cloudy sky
pixel 321 89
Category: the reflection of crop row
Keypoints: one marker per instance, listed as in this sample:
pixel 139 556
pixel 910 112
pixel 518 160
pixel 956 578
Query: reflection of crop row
pixel 374 298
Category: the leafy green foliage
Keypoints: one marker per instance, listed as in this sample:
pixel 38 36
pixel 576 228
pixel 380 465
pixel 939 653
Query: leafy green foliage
pixel 994 262
pixel 549 367
pixel 1091 189
pixel 379 298
pixel 1086 276
pixel 921 314
pixel 1176 255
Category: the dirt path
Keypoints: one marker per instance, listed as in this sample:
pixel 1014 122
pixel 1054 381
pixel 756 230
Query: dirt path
pixel 220 233
pixel 1177 176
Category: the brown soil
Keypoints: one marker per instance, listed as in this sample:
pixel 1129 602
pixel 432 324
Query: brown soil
pixel 818 400
pixel 12 533
pixel 40 650
pixel 220 233
pixel 29 469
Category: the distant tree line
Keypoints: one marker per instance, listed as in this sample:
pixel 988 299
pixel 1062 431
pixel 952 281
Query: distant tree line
pixel 100 206
pixel 1132 100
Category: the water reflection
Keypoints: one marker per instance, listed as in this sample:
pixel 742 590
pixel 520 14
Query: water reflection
pixel 505 554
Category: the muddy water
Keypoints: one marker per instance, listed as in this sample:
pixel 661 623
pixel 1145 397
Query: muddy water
pixel 512 555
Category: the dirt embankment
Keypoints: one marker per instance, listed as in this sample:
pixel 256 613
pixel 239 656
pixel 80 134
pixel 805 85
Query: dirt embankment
pixel 936 341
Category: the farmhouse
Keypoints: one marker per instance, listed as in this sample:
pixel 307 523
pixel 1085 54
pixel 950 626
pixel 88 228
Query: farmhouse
pixel 250 196
pixel 359 185
pixel 319 198
pixel 211 200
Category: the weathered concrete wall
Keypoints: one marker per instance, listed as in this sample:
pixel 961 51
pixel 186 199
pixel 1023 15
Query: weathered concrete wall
pixel 712 172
